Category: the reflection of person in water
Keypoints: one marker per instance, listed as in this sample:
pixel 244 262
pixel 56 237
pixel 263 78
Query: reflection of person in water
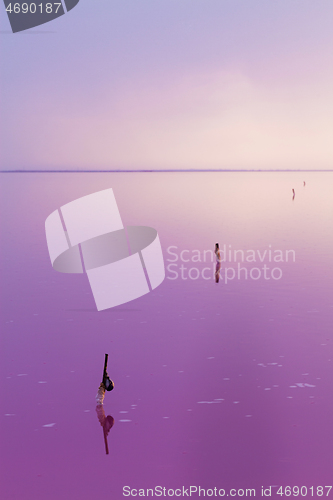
pixel 106 423
pixel 218 262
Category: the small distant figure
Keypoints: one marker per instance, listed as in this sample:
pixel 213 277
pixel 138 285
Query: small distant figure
pixel 218 263
pixel 293 190
pixel 303 183
pixel 217 252
pixel 106 384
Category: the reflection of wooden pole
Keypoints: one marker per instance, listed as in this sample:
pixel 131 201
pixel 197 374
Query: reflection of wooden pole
pixel 105 367
pixel 105 439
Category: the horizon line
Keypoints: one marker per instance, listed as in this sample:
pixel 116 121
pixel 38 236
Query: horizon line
pixel 27 171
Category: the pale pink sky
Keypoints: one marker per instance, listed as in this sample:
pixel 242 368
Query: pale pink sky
pixel 170 84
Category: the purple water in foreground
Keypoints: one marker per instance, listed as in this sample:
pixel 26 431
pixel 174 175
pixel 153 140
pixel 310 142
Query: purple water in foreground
pixel 225 385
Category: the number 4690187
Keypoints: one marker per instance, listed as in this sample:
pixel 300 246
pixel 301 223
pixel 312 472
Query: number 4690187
pixel 303 491
pixel 32 8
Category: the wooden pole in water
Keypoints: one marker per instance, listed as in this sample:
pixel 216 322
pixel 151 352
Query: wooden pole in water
pixel 106 441
pixel 105 367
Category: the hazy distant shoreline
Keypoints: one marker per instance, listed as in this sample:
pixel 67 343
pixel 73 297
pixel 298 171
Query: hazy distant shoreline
pixel 156 171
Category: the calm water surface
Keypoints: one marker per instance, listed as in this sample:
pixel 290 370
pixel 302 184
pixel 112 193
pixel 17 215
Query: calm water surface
pixel 225 385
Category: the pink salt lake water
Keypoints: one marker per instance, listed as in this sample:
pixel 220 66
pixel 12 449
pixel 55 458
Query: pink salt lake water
pixel 225 385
